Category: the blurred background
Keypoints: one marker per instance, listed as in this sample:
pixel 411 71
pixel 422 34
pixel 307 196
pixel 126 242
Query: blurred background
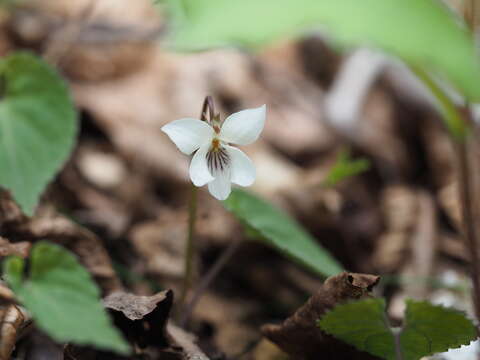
pixel 398 216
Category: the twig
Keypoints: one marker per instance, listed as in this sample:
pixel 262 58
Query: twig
pixel 207 280
pixel 469 228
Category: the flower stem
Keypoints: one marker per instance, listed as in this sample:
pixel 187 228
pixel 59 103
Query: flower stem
pixel 398 345
pixel 468 218
pixel 190 245
pixel 206 114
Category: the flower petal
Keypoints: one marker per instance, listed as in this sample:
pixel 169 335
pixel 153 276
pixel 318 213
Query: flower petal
pixel 243 127
pixel 221 187
pixel 188 134
pixel 199 173
pixel 242 168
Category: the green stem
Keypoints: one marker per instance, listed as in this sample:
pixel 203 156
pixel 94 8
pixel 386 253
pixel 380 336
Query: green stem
pixel 208 112
pixel 459 130
pixel 452 118
pixel 190 245
pixel 398 345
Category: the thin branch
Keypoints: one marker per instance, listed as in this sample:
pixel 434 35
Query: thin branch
pixel 207 280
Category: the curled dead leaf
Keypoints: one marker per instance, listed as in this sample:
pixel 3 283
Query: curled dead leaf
pixel 13 319
pixel 299 335
pixel 142 319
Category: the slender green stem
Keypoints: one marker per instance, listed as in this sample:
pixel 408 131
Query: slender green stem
pixel 398 345
pixel 459 129
pixel 453 120
pixel 207 113
pixel 190 245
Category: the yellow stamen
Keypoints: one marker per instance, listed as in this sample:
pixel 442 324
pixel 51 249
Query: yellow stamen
pixel 215 145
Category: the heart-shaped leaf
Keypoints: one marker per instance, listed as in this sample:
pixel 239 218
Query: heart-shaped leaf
pixel 37 126
pixel 428 329
pixel 62 298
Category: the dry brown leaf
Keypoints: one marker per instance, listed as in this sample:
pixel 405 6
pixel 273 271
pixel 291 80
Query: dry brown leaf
pixel 48 224
pixel 453 246
pixel 449 201
pixel 10 213
pixel 115 39
pixel 12 320
pixel 299 335
pixel 21 248
pixel 226 314
pixel 160 244
pixel 142 319
pixel 400 208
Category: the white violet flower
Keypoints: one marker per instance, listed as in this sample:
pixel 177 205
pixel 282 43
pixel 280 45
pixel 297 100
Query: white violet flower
pixel 216 163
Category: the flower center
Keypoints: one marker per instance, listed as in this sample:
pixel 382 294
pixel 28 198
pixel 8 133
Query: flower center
pixel 215 145
pixel 217 157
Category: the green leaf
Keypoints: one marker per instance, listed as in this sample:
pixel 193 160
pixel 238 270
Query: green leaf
pixel 281 231
pixel 431 329
pixel 362 324
pixel 428 328
pixel 62 298
pixel 422 32
pixel 345 167
pixel 37 126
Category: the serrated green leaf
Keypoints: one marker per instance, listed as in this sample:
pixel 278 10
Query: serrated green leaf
pixel 63 299
pixel 281 231
pixel 422 32
pixel 345 167
pixel 362 324
pixel 431 329
pixel 37 126
pixel 428 328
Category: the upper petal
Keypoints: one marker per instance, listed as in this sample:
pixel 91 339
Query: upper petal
pixel 243 127
pixel 242 168
pixel 188 134
pixel 199 173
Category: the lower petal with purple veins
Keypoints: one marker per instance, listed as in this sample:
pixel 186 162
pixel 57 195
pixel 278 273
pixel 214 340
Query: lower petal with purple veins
pixel 221 186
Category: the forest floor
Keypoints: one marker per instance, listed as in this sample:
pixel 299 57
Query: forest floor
pixel 121 202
